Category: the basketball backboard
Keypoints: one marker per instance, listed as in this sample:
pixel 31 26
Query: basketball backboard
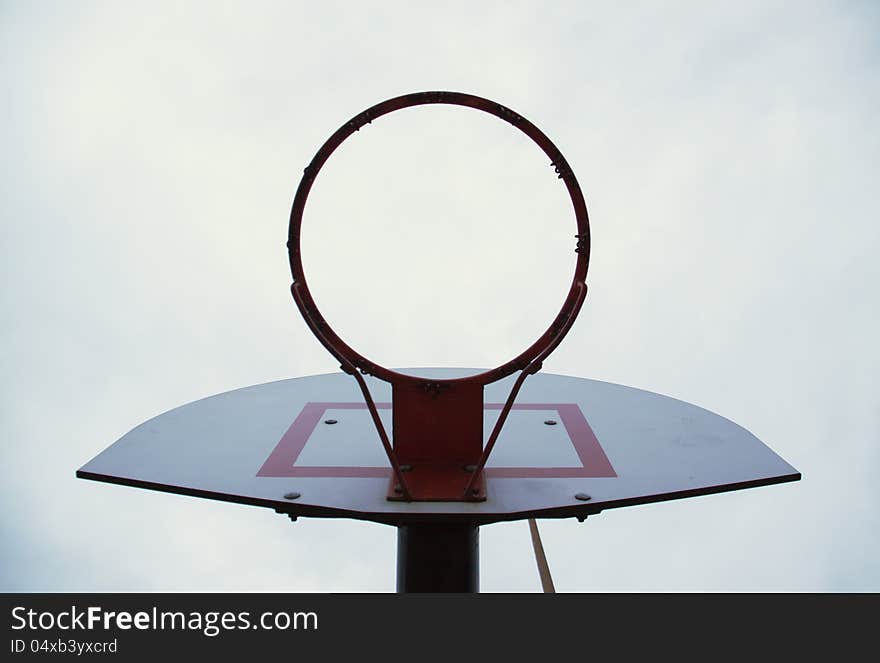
pixel 571 447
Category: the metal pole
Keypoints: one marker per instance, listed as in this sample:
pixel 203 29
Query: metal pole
pixel 441 557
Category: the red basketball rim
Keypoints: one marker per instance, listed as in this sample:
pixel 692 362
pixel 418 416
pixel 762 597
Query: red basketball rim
pixel 570 307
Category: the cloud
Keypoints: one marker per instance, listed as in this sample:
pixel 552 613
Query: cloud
pixel 728 157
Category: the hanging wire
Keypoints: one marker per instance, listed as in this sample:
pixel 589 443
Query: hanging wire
pixel 541 558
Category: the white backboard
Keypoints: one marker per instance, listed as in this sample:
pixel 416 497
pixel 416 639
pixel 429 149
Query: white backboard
pixel 565 436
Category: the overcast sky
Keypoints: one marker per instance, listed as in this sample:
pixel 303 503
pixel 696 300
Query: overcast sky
pixel 729 156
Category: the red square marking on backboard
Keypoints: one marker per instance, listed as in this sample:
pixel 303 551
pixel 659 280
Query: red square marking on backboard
pixel 282 461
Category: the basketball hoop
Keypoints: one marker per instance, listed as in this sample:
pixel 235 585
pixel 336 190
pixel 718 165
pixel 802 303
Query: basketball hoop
pixel 437 452
pixel 600 445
